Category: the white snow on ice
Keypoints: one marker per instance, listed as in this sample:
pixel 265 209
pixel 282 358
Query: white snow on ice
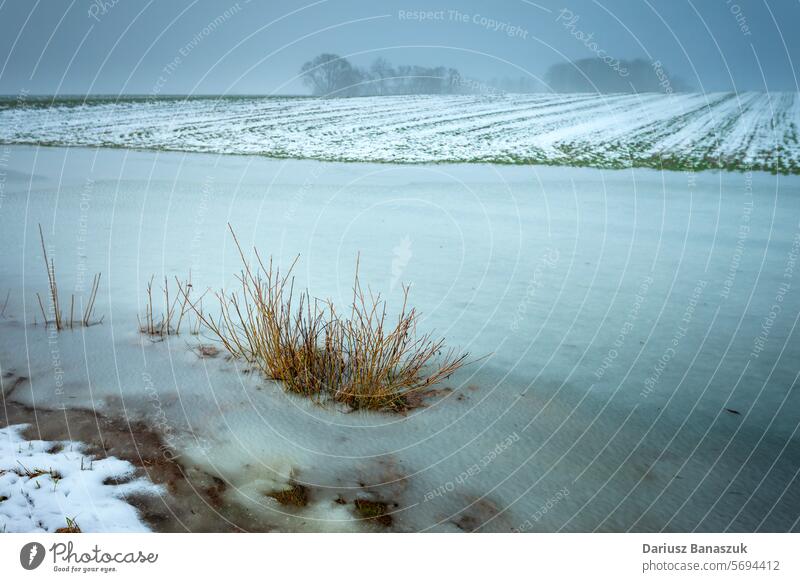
pixel 42 484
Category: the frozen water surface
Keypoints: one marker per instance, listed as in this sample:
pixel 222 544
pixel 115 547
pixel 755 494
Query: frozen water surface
pixel 639 328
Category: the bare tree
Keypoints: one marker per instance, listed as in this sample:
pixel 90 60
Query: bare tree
pixel 383 75
pixel 331 75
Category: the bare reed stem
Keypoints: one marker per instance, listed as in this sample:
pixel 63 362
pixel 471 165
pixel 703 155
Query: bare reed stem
pixel 55 305
pixel 175 309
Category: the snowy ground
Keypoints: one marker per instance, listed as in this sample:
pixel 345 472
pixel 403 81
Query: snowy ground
pixel 641 328
pixel 687 131
pixel 45 486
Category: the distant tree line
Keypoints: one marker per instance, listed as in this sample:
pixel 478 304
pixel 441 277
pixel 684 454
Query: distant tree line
pixel 595 75
pixel 330 75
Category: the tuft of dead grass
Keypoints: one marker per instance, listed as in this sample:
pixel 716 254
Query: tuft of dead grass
pixel 361 359
pixel 295 496
pixel 175 309
pixel 56 315
pixel 376 511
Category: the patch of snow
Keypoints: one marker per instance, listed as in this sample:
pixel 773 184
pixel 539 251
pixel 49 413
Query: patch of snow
pixel 44 484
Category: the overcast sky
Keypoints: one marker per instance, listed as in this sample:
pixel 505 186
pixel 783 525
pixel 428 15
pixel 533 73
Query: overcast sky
pixel 245 47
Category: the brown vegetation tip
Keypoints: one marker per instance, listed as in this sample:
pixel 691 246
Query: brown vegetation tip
pixel 72 527
pixel 57 316
pixel 362 359
pixel 176 307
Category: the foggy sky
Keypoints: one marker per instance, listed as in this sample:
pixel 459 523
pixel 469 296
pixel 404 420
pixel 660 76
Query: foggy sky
pixel 257 47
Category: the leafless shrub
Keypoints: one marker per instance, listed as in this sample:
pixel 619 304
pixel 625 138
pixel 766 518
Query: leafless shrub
pixel 362 360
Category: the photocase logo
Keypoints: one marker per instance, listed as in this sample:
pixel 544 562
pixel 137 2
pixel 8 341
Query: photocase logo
pixel 31 555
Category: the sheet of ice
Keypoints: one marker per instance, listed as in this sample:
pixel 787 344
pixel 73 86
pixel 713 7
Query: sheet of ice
pixel 748 130
pixel 45 484
pixel 629 384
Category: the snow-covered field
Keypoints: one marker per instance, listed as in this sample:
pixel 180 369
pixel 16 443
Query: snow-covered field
pixel 640 327
pixel 686 131
pixel 45 486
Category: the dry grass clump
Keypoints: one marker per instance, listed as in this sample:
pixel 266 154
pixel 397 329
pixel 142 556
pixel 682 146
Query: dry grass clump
pixel 388 365
pixel 176 306
pixel 362 360
pixel 57 316
pixel 295 496
pixel 376 511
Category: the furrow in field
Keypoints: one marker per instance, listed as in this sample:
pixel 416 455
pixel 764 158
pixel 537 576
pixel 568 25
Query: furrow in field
pixel 742 131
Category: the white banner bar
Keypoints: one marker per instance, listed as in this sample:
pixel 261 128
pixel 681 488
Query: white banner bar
pixel 354 557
